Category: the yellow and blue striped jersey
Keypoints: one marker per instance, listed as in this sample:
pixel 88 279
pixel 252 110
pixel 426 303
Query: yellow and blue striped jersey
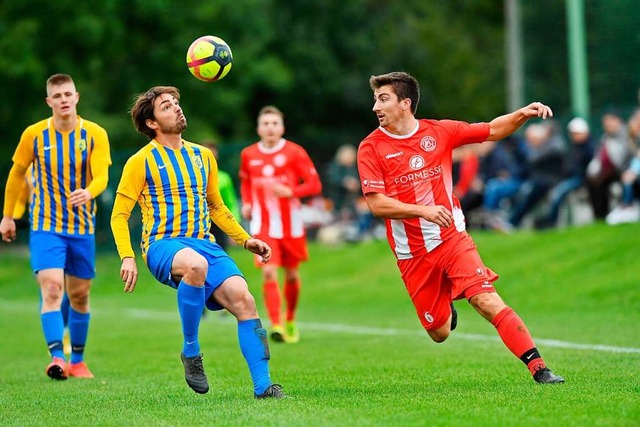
pixel 62 163
pixel 177 191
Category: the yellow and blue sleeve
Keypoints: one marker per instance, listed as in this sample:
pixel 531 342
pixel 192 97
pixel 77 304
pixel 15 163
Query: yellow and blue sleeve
pixel 99 164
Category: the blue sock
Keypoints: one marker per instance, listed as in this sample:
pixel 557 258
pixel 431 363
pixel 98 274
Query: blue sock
pixel 78 330
pixel 53 329
pixel 64 308
pixel 255 349
pixel 190 306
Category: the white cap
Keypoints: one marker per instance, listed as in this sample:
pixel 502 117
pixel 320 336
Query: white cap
pixel 578 125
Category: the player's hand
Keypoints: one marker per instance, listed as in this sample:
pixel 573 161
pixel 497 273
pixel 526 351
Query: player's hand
pixel 129 274
pixel 281 190
pixel 438 215
pixel 537 109
pixel 246 211
pixel 259 247
pixel 80 197
pixel 8 229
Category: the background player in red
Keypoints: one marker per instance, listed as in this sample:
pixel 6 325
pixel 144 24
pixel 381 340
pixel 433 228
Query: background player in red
pixel 405 172
pixel 274 174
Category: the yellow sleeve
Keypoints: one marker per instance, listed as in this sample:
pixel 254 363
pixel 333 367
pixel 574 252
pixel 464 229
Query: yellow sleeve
pixel 120 215
pixel 99 163
pixel 23 200
pixel 12 191
pixel 218 211
pixel 24 154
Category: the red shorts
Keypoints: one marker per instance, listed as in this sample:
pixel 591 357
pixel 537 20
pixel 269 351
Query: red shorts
pixel 451 271
pixel 288 252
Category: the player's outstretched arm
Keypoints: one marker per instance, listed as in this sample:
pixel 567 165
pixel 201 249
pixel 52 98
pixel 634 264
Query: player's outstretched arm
pixel 258 247
pixel 505 125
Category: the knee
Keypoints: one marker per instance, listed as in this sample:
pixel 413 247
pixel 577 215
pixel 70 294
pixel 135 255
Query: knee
pixel 488 304
pixel 51 290
pixel 79 298
pixel 243 306
pixel 196 270
pixel 439 335
pixel 269 274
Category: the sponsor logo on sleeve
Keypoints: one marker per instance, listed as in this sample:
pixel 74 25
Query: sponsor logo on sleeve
pixel 367 183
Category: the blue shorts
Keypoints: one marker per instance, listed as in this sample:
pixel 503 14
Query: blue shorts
pixel 221 266
pixel 75 254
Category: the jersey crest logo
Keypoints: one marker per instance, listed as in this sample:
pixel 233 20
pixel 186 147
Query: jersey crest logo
pixel 428 143
pixel 268 170
pixel 81 144
pixel 416 162
pixel 280 160
pixel 197 161
pixel 365 183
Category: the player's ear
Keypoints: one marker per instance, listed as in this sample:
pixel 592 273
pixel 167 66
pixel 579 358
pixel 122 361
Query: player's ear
pixel 151 124
pixel 406 104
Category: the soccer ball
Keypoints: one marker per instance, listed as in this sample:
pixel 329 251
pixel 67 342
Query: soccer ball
pixel 209 58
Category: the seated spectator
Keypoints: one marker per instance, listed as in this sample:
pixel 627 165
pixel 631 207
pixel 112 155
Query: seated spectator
pixel 343 182
pixel 610 160
pixel 544 166
pixel 627 211
pixel 345 192
pixel 509 172
pixel 574 170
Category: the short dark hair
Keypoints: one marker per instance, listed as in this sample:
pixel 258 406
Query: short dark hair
pixel 404 85
pixel 57 80
pixel 142 108
pixel 270 109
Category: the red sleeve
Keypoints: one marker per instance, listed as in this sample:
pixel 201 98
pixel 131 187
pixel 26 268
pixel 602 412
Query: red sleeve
pixel 463 133
pixel 468 171
pixel 245 179
pixel 371 175
pixel 310 185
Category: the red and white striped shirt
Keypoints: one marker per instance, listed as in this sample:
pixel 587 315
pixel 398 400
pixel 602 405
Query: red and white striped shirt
pixel 416 168
pixel 286 163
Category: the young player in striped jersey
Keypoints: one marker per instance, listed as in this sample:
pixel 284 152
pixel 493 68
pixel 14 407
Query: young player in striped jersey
pixel 175 183
pixel 274 174
pixel 406 176
pixel 70 158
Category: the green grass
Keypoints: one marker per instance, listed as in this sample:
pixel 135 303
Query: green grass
pixel 576 286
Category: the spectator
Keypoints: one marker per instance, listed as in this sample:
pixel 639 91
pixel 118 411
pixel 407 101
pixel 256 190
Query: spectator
pixel 574 168
pixel 490 164
pixel 344 184
pixel 544 165
pixel 344 187
pixel 510 173
pixel 627 211
pixel 611 158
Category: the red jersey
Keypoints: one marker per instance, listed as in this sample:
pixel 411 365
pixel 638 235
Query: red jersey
pixel 416 169
pixel 286 163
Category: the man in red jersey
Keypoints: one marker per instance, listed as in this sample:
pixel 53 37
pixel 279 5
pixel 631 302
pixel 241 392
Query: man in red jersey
pixel 274 174
pixel 405 173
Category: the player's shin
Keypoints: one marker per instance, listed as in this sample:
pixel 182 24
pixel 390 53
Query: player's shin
pixel 254 345
pixel 190 306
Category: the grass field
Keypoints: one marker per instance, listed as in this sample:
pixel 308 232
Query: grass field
pixel 363 359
